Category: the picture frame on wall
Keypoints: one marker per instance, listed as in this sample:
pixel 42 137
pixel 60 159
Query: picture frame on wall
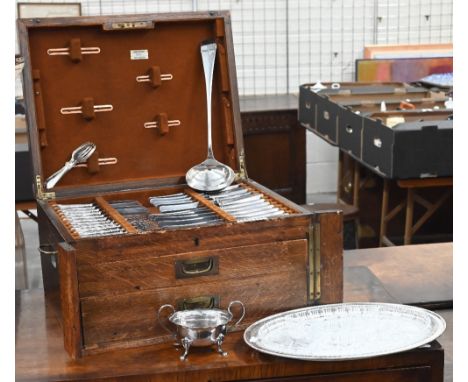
pixel 33 10
pixel 401 69
pixel 408 51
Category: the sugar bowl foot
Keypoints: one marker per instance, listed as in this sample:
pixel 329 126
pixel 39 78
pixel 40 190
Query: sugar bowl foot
pixel 219 343
pixel 186 344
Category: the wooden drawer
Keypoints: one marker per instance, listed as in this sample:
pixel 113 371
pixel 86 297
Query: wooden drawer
pixel 119 299
pixel 191 268
pixel 129 319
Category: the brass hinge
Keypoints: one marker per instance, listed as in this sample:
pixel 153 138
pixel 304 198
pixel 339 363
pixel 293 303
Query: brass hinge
pixel 40 193
pixel 242 174
pixel 314 262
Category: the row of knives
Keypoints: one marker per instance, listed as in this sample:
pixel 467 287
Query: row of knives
pixel 243 204
pixel 178 210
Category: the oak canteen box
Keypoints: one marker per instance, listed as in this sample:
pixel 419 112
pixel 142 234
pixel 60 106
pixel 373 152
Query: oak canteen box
pixel 134 87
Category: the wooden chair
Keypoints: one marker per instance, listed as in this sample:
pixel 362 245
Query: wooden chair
pixel 412 197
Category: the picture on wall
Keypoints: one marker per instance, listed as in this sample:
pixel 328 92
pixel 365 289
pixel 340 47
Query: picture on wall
pixel 401 69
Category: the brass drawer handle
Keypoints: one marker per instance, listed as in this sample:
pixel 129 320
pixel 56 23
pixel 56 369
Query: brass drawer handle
pixel 200 302
pixel 196 267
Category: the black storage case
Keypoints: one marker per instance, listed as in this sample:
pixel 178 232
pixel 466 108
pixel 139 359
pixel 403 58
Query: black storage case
pixel 320 114
pixel 408 150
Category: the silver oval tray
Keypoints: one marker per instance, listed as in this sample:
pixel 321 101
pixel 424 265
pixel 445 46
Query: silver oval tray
pixel 344 331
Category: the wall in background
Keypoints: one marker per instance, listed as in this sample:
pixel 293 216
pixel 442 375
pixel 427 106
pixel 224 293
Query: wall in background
pixel 280 44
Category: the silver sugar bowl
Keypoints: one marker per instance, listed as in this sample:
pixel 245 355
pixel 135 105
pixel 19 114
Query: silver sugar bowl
pixel 200 327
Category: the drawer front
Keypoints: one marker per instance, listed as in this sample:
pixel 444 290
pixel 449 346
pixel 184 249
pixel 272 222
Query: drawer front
pixel 193 268
pixel 130 319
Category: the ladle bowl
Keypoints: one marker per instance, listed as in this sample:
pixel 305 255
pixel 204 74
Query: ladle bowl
pixel 210 175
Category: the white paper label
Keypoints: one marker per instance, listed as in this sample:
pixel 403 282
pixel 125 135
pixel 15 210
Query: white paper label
pixel 139 54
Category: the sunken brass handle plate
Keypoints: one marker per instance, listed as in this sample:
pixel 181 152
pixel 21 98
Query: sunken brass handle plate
pixel 200 302
pixel 204 266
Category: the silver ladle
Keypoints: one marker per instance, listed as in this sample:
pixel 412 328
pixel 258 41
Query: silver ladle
pixel 210 175
pixel 79 155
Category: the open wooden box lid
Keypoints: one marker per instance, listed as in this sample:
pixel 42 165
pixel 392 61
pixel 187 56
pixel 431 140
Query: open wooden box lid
pixel 93 68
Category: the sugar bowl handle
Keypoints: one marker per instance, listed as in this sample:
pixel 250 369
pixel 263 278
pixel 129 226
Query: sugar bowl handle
pixel 243 311
pixel 161 322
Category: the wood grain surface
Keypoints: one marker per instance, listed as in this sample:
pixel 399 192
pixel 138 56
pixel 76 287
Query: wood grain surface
pixel 130 319
pixel 412 274
pixel 331 256
pixel 40 357
pixel 128 276
pixel 69 300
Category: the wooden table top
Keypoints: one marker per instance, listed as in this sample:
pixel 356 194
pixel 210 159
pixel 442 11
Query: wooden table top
pixel 398 270
pixel 40 356
pixel 412 274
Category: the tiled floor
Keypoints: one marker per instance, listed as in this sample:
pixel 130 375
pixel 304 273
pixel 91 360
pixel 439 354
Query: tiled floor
pixel 34 276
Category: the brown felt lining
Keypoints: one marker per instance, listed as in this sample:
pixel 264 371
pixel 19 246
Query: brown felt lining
pixel 93 163
pixel 155 76
pixel 110 78
pixel 87 108
pixel 162 122
pixel 36 75
pixel 75 50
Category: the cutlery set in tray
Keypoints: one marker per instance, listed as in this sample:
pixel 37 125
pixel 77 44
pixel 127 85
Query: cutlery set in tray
pixel 186 209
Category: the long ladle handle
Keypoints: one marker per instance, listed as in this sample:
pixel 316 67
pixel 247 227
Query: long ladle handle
pixel 208 53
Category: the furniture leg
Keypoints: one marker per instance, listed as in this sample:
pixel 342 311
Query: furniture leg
pixel 356 184
pixel 383 214
pixel 431 209
pixel 409 216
